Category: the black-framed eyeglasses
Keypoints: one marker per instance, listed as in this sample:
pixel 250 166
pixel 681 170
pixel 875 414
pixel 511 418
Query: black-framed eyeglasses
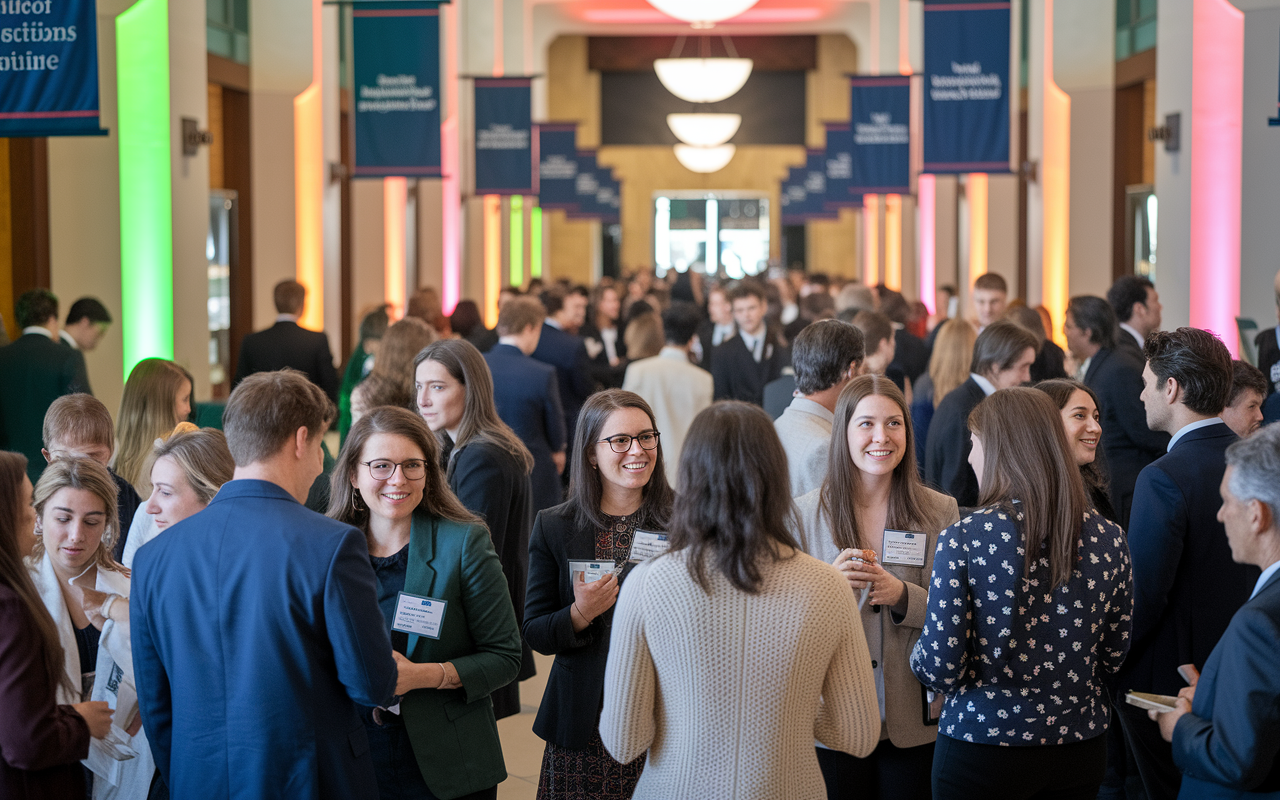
pixel 622 442
pixel 382 470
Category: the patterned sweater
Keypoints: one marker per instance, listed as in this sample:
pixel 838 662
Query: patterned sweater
pixel 727 690
pixel 1020 664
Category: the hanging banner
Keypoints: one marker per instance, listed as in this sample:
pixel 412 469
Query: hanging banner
pixel 49 62
pixel 966 86
pixel 396 60
pixel 504 137
pixel 839 161
pixel 804 192
pixel 881 134
pixel 792 197
pixel 557 165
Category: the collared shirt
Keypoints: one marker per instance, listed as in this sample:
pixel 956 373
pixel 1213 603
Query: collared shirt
pixel 1083 369
pixel 988 387
pixel 68 340
pixel 1189 427
pixel 553 323
pixel 1262 580
pixel 789 313
pixel 674 353
pixel 286 317
pixel 721 332
pixel 609 338
pixel 1134 333
pixel 40 329
pixel 754 343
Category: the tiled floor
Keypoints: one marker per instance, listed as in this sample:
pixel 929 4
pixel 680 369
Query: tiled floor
pixel 520 747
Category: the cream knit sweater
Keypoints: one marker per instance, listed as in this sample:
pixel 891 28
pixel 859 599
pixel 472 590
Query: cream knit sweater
pixel 727 691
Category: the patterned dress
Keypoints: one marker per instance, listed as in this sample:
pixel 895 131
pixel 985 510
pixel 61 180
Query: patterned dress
pixel 591 773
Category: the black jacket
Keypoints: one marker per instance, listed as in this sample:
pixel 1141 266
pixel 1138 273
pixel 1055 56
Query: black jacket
pixel 568 354
pixel 286 344
pixel 738 376
pixel 946 455
pixel 1268 344
pixel 34 371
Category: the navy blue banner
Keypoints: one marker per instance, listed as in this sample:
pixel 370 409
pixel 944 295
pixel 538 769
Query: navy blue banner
pixel 49 68
pixel 839 160
pixel 966 86
pixel 881 134
pixel 596 191
pixel 803 194
pixel 396 60
pixel 504 136
pixel 557 165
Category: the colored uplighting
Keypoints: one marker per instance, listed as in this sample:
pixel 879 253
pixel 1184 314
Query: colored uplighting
pixel 308 137
pixel 871 239
pixel 517 240
pixel 395 199
pixel 975 192
pixel 927 191
pixel 535 242
pixel 893 241
pixel 1055 186
pixel 146 190
pixel 450 197
pixel 492 257
pixel 1217 91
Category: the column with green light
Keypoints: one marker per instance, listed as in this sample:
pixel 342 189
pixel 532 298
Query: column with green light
pixel 146 186
pixel 517 240
pixel 535 242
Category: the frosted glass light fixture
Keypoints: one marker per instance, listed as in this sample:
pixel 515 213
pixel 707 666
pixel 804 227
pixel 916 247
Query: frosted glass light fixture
pixel 702 13
pixel 703 80
pixel 704 130
pixel 704 159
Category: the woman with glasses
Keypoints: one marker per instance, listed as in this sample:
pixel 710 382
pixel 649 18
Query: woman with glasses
pixel 428 552
pixel 618 486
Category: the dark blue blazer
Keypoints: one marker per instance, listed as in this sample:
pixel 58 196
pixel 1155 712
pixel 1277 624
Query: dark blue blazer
pixel 528 399
pixel 1186 584
pixel 34 371
pixel 1229 745
pixel 256 633
pixel 287 344
pixel 946 453
pixel 568 354
pixel 1127 443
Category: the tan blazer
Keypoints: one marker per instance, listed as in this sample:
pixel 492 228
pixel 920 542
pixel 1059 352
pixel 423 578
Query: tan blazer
pixel 903 695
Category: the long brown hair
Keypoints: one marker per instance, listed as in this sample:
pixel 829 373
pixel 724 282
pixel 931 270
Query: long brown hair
pixel 146 413
pixel 437 499
pixel 841 494
pixel 734 507
pixel 14 574
pixel 1095 477
pixel 480 420
pixel 89 476
pixel 1026 457
pixel 390 382
pixel 952 354
pixel 585 488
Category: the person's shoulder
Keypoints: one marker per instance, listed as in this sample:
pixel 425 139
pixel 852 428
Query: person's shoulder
pixel 959 398
pixel 560 517
pixel 807 504
pixel 939 506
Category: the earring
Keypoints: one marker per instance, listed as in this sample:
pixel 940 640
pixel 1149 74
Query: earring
pixel 356 505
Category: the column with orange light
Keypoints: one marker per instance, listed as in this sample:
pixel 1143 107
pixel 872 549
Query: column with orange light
pixel 1055 172
pixel 394 201
pixel 309 166
pixel 871 239
pixel 976 195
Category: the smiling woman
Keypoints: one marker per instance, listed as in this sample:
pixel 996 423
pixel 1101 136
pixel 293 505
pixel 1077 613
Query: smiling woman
pixel 1082 421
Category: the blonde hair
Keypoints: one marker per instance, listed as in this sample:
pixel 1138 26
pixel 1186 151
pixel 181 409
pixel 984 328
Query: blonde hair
pixel 203 456
pixel 643 336
pixel 952 355
pixel 92 477
pixel 146 413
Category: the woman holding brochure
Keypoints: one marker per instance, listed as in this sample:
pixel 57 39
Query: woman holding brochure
pixel 756 646
pixel 444 597
pixel 618 494
pixel 877 523
pixel 1029 611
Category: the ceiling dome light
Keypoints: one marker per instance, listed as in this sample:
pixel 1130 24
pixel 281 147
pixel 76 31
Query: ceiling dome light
pixel 702 13
pixel 704 159
pixel 703 80
pixel 704 130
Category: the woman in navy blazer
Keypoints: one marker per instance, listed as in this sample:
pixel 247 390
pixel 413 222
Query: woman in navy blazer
pixel 611 494
pixel 444 742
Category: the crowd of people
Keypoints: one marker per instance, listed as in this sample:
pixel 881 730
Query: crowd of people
pixel 794 538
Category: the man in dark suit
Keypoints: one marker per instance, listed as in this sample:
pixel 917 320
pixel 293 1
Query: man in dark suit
pixel 1136 303
pixel 717 328
pixel 36 369
pixel 286 344
pixel 1115 375
pixel 1002 358
pixel 256 627
pixel 559 347
pixel 1186 585
pixel 526 394
pixel 746 361
pixel 1225 730
pixel 1268 343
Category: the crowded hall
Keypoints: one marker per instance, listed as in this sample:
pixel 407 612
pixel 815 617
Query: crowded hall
pixel 653 399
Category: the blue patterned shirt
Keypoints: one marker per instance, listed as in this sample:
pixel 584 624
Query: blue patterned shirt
pixel 1021 664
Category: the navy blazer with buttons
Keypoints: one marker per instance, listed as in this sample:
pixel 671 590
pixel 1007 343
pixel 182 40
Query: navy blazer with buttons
pixel 568 354
pixel 524 390
pixel 256 632
pixel 1186 584
pixel 1229 745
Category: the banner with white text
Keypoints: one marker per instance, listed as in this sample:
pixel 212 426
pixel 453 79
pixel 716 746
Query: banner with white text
pixel 504 140
pixel 557 165
pixel 49 68
pixel 881 108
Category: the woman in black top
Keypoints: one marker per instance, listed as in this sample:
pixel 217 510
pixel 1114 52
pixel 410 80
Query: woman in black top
pixel 1082 420
pixel 603 335
pixel 487 467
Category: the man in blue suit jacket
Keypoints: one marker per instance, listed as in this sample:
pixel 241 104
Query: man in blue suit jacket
pixel 256 628
pixel 525 393
pixel 566 351
pixel 1226 728
pixel 1187 587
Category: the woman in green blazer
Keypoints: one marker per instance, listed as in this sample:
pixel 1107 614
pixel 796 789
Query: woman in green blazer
pixel 425 546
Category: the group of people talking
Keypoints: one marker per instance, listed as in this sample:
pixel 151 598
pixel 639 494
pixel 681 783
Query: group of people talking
pixel 725 637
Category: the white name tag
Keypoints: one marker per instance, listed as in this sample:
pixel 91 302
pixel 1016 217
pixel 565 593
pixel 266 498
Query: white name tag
pixel 591 571
pixel 419 615
pixel 906 548
pixel 647 545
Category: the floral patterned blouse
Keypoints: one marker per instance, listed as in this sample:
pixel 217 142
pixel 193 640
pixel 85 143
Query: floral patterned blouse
pixel 1022 664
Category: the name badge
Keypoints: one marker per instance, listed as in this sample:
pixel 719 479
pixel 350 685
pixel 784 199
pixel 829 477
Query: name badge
pixel 647 545
pixel 591 571
pixel 906 548
pixel 419 615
